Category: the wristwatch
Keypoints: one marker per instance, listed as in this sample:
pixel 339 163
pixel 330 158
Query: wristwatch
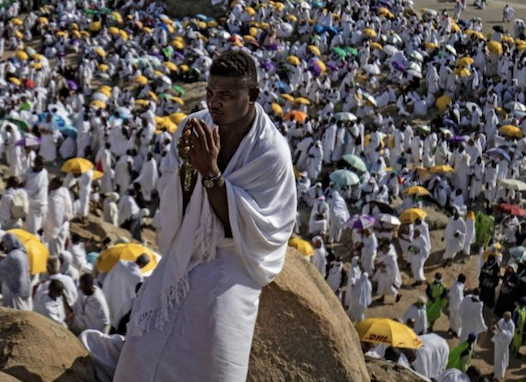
pixel 211 181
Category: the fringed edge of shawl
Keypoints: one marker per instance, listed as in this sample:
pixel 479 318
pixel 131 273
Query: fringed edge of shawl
pixel 169 297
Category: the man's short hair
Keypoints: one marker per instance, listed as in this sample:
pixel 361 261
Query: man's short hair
pixel 236 63
pixel 53 265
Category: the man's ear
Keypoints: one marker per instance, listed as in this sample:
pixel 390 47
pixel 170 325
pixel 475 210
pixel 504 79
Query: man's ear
pixel 253 95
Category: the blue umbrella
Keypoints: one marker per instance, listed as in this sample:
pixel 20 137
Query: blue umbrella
pixel 344 178
pixel 499 151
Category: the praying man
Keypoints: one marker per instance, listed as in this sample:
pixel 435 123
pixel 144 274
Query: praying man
pixel 226 212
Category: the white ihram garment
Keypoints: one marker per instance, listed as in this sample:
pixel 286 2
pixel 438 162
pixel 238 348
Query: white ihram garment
pixel 194 317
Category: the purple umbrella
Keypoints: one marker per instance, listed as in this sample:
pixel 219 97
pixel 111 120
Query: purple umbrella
pixel 360 222
pixel 332 66
pixel 456 139
pixel 179 55
pixel 72 85
pixel 274 46
pixel 399 66
pixel 268 65
pixel 29 141
pixel 499 151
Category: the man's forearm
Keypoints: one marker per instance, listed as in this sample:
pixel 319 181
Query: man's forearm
pixel 219 202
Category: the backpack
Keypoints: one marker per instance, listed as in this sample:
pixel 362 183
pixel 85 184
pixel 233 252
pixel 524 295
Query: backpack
pixel 19 204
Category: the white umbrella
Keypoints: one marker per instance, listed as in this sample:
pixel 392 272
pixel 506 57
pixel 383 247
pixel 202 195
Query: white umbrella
pixel 99 97
pixel 389 219
pixel 416 56
pixel 392 39
pixel 513 184
pixel 415 73
pixel 390 50
pixel 414 66
pixel 369 98
pixel 450 49
pixel 515 106
pixel 471 106
pixel 305 5
pixel 345 117
pixel 371 69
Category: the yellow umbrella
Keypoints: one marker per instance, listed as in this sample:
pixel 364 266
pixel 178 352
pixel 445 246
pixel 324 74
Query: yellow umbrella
pixel 389 332
pixel 179 45
pixel 38 57
pixel 100 52
pixel 303 246
pixel 462 72
pixel 113 31
pixel 43 20
pixel 97 175
pixel 170 66
pixel 177 100
pixel 385 12
pixel 521 47
pixel 276 108
pixel 248 37
pixel 507 38
pixel 465 61
pixel 103 67
pixel 511 131
pixel 177 118
pixel 19 35
pixel 154 97
pixel 95 26
pixel 495 47
pixel 127 252
pixel 117 17
pixel 417 190
pixel 315 50
pixel 76 34
pixel 165 123
pixel 293 60
pixel 292 18
pixel 251 11
pixel 454 26
pixel 478 35
pixel 443 102
pixel 99 104
pixel 369 32
pixel 321 65
pixel 409 216
pixel 431 46
pixel 123 35
pixel 37 253
pixel 377 45
pixel 77 166
pixel 62 34
pixel 253 32
pixel 142 80
pixel 444 169
pixel 22 56
pixel 15 81
pixel 36 65
pixel 16 21
pixel 287 97
pixel 302 100
pixel 142 102
pixel 106 90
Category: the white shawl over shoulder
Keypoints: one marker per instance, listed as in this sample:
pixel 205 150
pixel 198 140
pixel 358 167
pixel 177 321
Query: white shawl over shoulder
pixel 261 194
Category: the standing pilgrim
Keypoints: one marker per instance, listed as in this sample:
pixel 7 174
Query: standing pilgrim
pixel 503 334
pixel 454 237
pixel 239 213
pixel 456 295
pixel 362 297
pixel 14 273
pixel 319 259
pixel 36 185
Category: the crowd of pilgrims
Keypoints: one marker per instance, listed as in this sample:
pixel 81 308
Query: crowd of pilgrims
pixel 386 109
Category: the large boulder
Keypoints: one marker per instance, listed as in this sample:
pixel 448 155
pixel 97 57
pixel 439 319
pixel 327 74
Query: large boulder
pixel 8 378
pixel 383 371
pixel 181 8
pixel 35 349
pixel 302 332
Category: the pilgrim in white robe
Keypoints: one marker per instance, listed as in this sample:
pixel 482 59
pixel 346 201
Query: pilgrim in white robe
pixel 14 152
pixel 471 316
pixel 456 295
pixel 84 184
pixel 36 186
pixel 319 259
pixel 7 220
pixel 202 300
pixel 418 254
pixel 52 309
pixel 319 217
pixel 110 209
pixel 315 161
pixel 503 334
pixel 104 162
pixel 92 312
pixel 454 237
pixel 361 292
pixel 119 284
pixel 353 275
pixel 56 223
pixel 431 359
pixel 70 289
pixel 368 254
pixel 148 178
pixel 419 314
pixel 104 351
pixel 122 173
pixel 335 277
pixel 338 216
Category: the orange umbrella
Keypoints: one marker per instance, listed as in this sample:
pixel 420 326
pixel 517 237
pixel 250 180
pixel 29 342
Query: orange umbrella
pixel 298 116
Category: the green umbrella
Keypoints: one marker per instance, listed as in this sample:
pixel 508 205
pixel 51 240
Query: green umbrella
pixel 351 50
pixel 339 52
pixel 168 51
pixel 355 162
pixel 22 125
pixel 344 178
pixel 91 11
pixel 178 88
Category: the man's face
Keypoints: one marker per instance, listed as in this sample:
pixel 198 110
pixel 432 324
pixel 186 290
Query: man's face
pixel 228 99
